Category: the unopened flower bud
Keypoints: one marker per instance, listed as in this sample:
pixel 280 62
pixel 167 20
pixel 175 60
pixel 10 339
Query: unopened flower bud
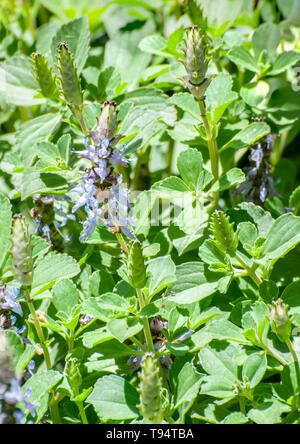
pixel 280 322
pixel 196 63
pixel 107 126
pixel 21 252
pixel 44 76
pixel 150 390
pixel 70 82
pixel 73 372
pixel 225 236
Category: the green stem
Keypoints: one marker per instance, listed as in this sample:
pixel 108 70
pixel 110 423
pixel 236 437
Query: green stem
pixel 275 355
pixel 122 242
pixel 71 340
pixel 170 156
pixel 82 412
pixel 38 329
pixel 54 410
pixel 296 362
pixel 212 145
pixel 138 343
pixel 83 125
pixel 53 406
pixel 147 331
pixel 250 270
pixel 292 350
pixel 242 405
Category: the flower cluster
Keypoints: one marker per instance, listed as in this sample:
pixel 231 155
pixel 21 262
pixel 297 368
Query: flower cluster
pixel 259 184
pixel 102 192
pixel 196 63
pixel 12 397
pixel 9 300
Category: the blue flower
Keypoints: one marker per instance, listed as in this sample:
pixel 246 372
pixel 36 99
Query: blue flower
pixel 15 395
pixel 8 300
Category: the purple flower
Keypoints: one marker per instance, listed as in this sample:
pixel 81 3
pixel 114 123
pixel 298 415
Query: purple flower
pixel 185 336
pixel 117 157
pixel 86 319
pixel 8 300
pixel 15 395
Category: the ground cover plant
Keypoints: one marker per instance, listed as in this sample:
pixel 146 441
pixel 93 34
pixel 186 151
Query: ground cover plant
pixel 149 212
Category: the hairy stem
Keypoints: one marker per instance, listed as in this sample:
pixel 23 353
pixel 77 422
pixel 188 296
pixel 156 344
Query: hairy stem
pixel 250 271
pixel 212 145
pixel 38 329
pixel 147 331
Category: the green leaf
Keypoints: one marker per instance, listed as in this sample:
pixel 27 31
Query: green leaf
pixel 24 358
pixel 128 59
pixel 211 254
pixel 65 296
pixel 193 284
pixel 242 57
pixel 225 330
pixel 114 399
pixel 36 182
pixel 266 38
pixel 187 103
pixel 53 268
pixel 268 409
pixel 40 384
pixel 255 94
pixel 190 167
pixel 217 386
pixel 63 146
pixel 295 201
pixel 219 95
pixel 170 188
pixel 124 328
pixel 268 291
pixel 247 235
pixel 283 236
pixel 5 227
pixel 16 344
pixel 254 369
pixel 217 359
pixel 101 282
pixel 284 61
pixel 188 384
pixel 36 130
pixel 230 179
pixel 161 273
pixel 17 83
pixel 249 135
pixel 154 44
pixel 76 34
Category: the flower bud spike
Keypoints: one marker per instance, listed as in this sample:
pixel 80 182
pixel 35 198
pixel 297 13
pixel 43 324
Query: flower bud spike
pixel 70 82
pixel 108 124
pixel 150 390
pixel 196 63
pixel 281 324
pixel 44 77
pixel 136 266
pixel 223 233
pixel 21 252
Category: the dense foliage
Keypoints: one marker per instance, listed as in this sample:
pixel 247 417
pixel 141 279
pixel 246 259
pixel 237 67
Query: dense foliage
pixel 149 211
